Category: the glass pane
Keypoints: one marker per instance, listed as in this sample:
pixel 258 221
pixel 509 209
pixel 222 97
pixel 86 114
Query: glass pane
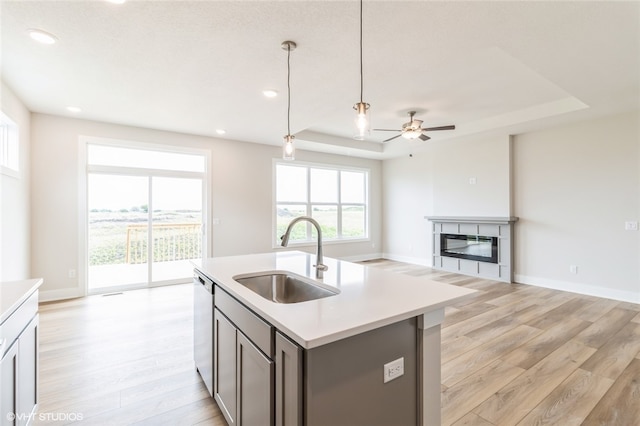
pixel 353 221
pixel 327 217
pixel 177 227
pixel 117 236
pixel 285 214
pixel 103 155
pixel 352 187
pixel 291 184
pixel 324 186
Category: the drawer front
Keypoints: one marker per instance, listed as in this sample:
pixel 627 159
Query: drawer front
pixel 17 321
pixel 258 331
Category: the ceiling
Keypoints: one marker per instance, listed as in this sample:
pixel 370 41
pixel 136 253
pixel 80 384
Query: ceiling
pixel 197 66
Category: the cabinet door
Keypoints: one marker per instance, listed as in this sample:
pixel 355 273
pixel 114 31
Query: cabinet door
pixel 225 390
pixel 255 385
pixel 288 382
pixel 8 386
pixel 28 371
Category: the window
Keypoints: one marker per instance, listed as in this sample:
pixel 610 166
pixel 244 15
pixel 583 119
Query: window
pixel 9 147
pixel 335 197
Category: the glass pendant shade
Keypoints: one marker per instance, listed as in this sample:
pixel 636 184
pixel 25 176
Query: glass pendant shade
pixel 288 148
pixel 362 120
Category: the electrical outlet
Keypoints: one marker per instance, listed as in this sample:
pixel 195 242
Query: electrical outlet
pixel 393 369
pixel 631 226
pixel 573 269
pixel 72 273
pixel 472 181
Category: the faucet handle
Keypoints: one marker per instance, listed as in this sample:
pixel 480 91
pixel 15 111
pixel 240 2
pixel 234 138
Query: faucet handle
pixel 321 267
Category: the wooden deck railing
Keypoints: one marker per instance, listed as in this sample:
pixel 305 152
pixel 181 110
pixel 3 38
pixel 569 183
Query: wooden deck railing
pixel 173 241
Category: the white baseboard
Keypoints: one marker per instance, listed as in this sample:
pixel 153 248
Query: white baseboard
pixel 362 257
pixel 61 294
pixel 580 288
pixel 408 259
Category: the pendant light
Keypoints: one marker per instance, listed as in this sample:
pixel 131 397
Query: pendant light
pixel 362 108
pixel 288 149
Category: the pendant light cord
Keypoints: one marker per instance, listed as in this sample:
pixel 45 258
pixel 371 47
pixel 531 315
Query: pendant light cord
pixel 361 73
pixel 288 88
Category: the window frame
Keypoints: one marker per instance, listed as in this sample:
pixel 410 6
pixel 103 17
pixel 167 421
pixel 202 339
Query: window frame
pixel 309 204
pixel 9 147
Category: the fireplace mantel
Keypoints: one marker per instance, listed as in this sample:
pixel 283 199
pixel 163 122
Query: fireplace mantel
pixel 499 227
pixel 471 219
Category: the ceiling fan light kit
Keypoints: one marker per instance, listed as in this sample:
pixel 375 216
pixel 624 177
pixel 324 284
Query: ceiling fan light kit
pixel 413 129
pixel 288 148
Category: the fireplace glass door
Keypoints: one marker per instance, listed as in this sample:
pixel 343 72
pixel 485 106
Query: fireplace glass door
pixel 471 247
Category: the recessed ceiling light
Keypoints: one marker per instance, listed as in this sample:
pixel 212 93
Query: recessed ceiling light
pixel 221 131
pixel 270 93
pixel 73 109
pixel 42 36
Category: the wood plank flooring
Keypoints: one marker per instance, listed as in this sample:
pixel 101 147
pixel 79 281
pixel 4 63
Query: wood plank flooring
pixel 511 355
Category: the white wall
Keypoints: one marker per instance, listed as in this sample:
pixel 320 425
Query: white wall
pixel 435 182
pixel 241 195
pixel 15 198
pixel 572 187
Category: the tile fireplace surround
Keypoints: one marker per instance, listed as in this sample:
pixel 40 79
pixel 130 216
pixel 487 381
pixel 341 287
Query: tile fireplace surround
pixel 500 227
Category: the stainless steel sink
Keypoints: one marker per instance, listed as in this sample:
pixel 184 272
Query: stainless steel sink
pixel 283 287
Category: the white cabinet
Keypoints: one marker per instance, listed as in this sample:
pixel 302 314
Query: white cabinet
pixel 19 364
pixel 9 385
pixel 28 369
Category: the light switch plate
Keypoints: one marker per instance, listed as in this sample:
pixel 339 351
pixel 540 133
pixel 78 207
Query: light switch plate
pixel 631 225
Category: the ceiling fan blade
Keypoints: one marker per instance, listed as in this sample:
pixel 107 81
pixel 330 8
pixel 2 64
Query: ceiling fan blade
pixel 390 139
pixel 386 130
pixel 429 129
pixel 424 137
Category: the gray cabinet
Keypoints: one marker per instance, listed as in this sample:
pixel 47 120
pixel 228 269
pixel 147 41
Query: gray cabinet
pixel 289 382
pixel 225 389
pixel 243 374
pixel 255 384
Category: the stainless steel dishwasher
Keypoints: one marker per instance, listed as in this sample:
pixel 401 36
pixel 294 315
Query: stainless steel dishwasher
pixel 203 295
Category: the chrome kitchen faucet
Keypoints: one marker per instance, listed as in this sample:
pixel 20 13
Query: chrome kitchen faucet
pixel 320 267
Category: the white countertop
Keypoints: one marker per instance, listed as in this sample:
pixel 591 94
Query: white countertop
pixel 369 297
pixel 14 293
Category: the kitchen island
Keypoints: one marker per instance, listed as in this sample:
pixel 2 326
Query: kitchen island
pixel 369 354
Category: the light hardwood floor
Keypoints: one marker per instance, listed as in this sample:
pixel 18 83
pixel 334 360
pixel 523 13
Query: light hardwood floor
pixel 512 354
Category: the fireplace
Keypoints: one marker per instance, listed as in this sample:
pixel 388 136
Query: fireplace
pixel 475 246
pixel 471 247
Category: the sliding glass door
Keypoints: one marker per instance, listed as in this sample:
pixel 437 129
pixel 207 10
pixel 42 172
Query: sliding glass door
pixel 116 211
pixel 176 231
pixel 144 224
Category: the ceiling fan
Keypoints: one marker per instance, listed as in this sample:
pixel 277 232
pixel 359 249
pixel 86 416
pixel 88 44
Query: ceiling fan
pixel 414 130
